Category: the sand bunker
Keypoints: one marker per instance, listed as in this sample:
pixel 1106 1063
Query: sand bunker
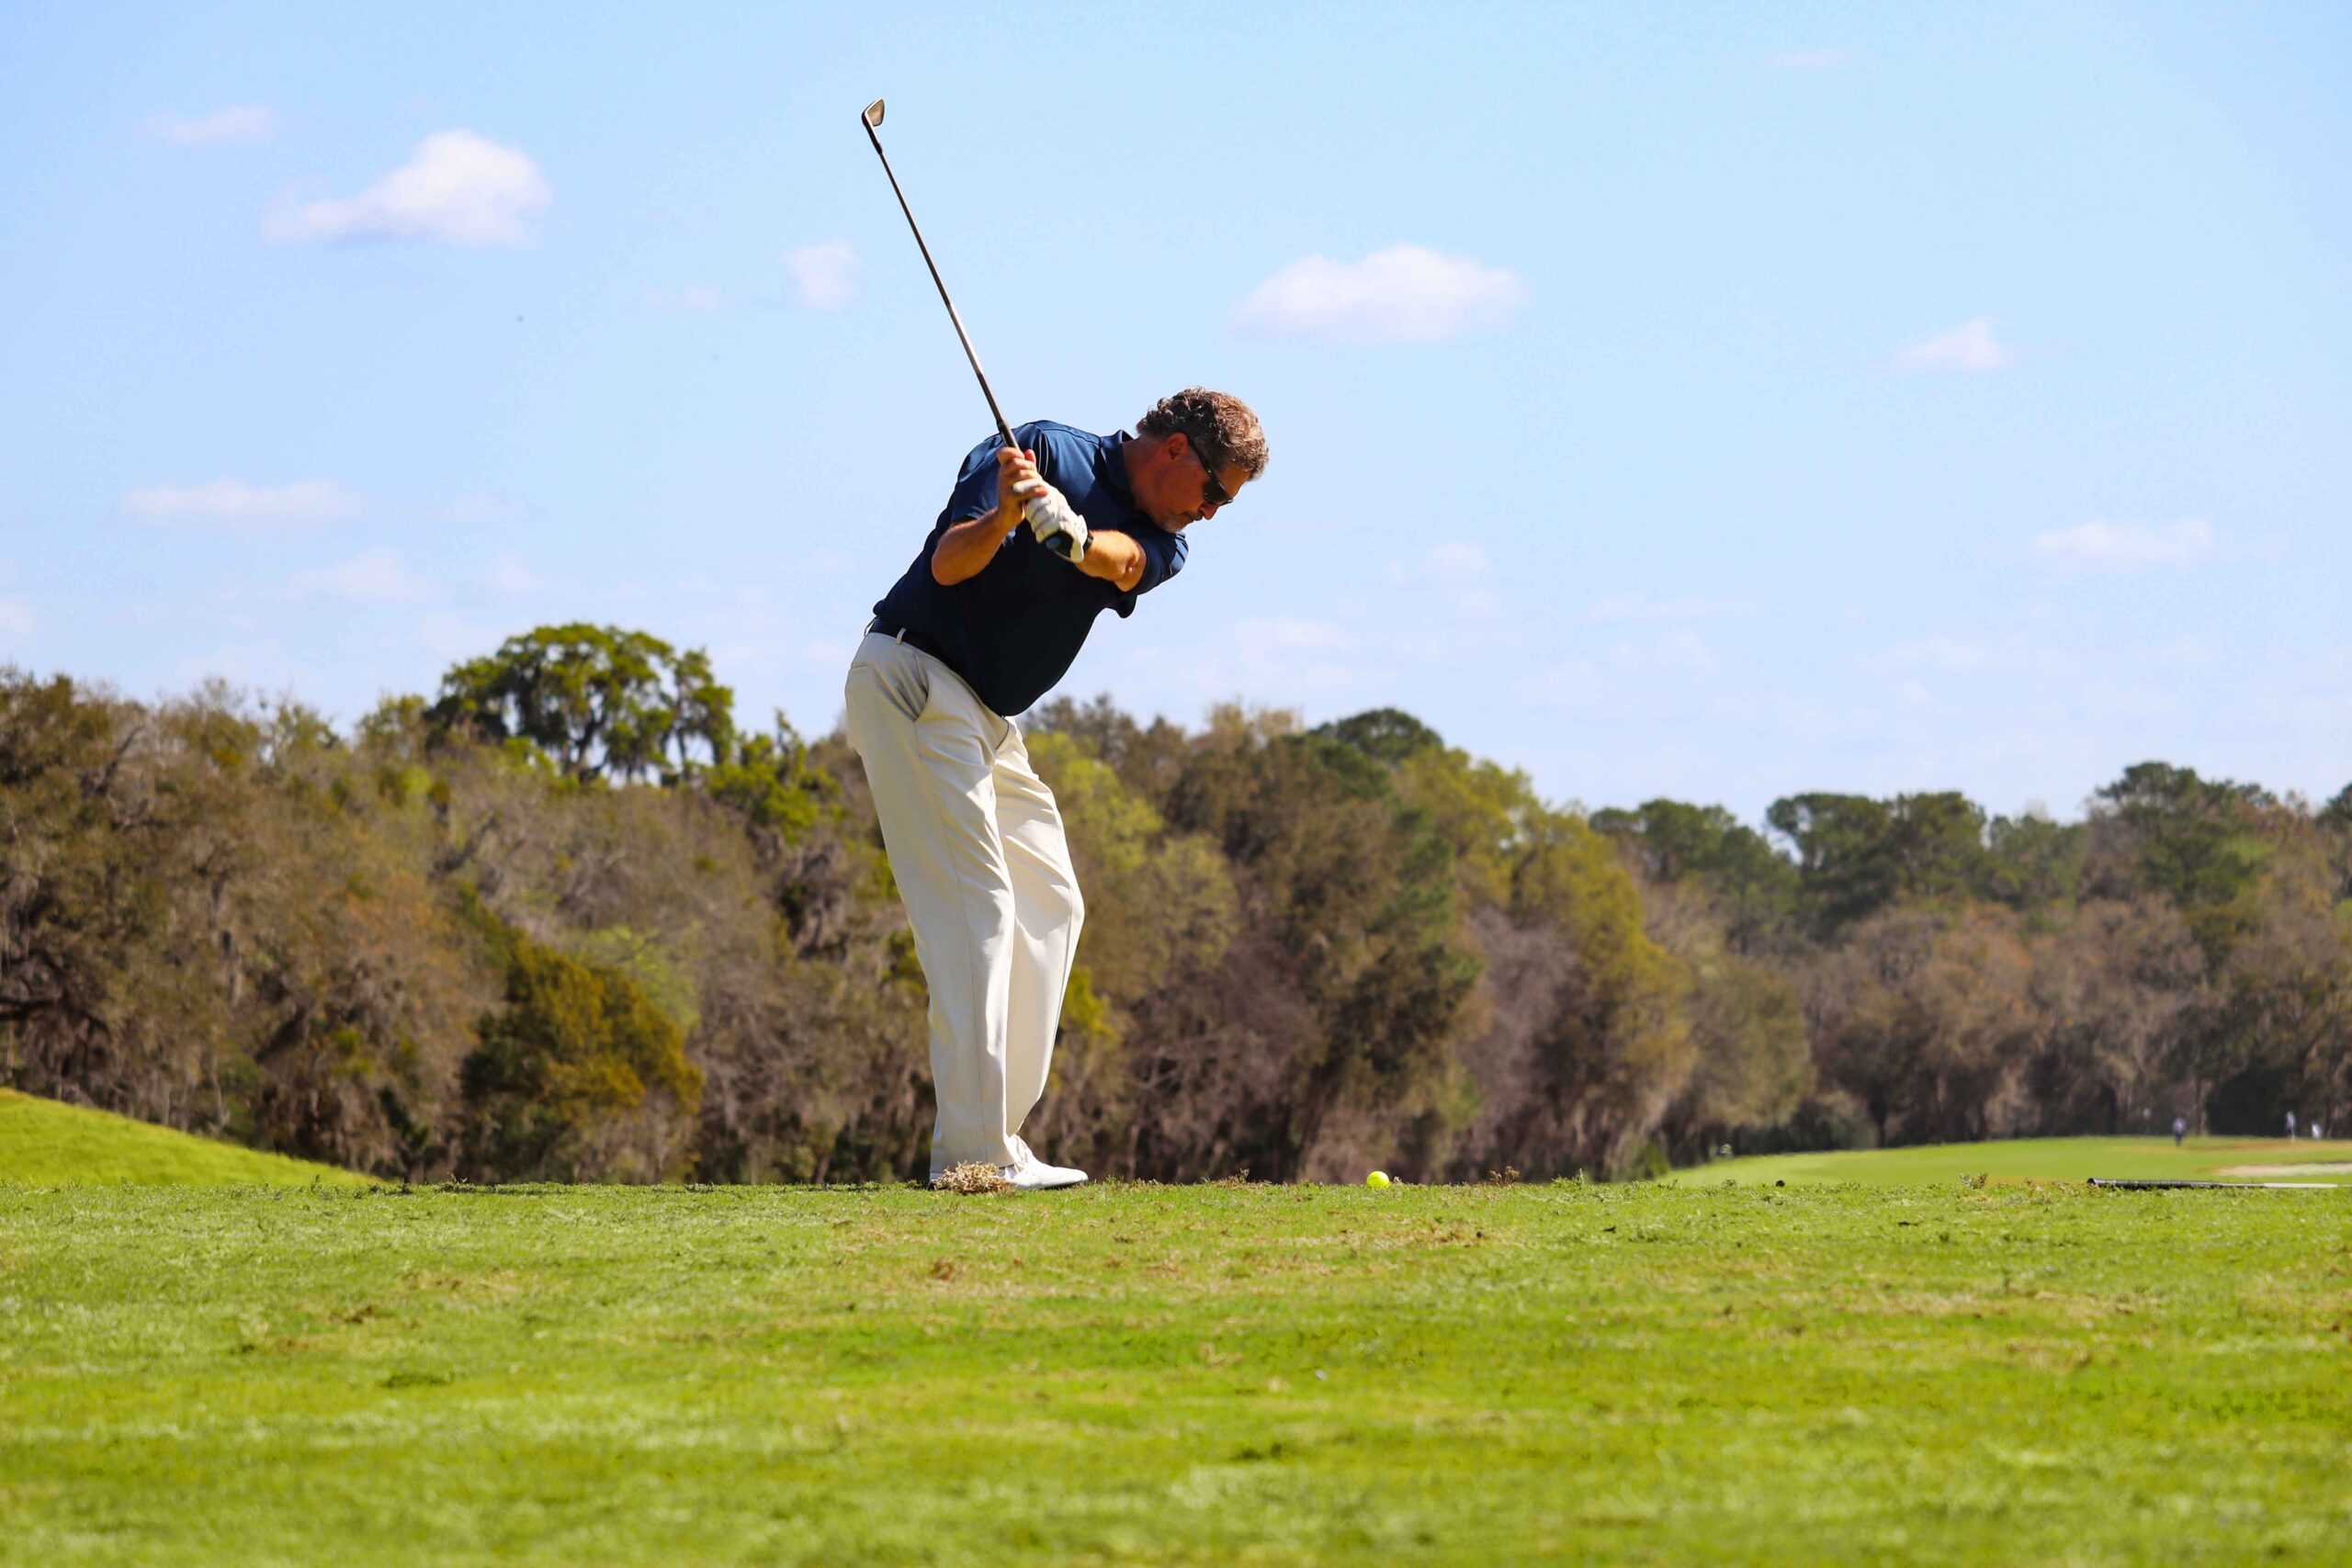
pixel 2340 1169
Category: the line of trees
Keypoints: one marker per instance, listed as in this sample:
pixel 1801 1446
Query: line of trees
pixel 568 920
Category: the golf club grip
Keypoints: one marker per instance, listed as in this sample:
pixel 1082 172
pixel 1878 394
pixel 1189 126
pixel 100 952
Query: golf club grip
pixel 1003 429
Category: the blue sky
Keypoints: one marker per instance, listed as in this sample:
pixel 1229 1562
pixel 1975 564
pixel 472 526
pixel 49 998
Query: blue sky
pixel 1708 402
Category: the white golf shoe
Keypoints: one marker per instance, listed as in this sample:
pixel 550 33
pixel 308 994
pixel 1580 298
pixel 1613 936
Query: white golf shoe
pixel 1031 1174
pixel 1028 1173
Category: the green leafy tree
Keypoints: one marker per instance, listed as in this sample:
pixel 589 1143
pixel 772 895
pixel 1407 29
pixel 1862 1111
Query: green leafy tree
pixel 770 778
pixel 1160 916
pixel 1150 759
pixel 2201 842
pixel 2283 1030
pixel 1926 1017
pixel 1353 893
pixel 1751 1062
pixel 1386 735
pixel 1857 856
pixel 2334 824
pixel 1754 886
pixel 1617 1048
pixel 598 701
pixel 579 1074
pixel 83 852
pixel 2036 863
pixel 1579 1068
pixel 2119 990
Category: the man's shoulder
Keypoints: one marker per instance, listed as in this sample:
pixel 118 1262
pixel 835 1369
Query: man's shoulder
pixel 1055 432
pixel 1058 444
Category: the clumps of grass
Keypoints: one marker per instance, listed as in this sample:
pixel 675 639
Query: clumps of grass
pixel 971 1178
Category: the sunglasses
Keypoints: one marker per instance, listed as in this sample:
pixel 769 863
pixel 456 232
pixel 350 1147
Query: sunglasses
pixel 1213 493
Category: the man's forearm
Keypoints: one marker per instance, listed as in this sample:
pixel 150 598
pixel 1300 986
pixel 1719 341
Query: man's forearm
pixel 1114 558
pixel 969 546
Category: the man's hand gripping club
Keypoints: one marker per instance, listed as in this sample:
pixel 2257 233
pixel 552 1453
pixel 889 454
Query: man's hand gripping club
pixel 1046 510
pixel 965 549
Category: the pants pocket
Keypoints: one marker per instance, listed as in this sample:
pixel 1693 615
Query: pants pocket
pixel 905 679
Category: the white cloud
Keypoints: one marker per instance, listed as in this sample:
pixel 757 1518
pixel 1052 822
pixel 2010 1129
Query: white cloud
pixel 1403 294
pixel 1968 346
pixel 15 618
pixel 243 126
pixel 824 277
pixel 1811 58
pixel 456 187
pixel 2125 544
pixel 697 297
pixel 240 507
pixel 372 577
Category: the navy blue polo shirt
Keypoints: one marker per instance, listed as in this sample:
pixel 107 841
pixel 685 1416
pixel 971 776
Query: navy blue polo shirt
pixel 1014 628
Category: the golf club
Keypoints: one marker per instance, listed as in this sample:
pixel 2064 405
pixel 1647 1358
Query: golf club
pixel 870 118
pixel 1057 528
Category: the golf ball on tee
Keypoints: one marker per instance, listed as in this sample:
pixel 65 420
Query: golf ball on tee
pixel 1377 1179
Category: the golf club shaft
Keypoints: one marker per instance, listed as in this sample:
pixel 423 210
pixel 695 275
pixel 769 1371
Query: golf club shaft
pixel 1002 428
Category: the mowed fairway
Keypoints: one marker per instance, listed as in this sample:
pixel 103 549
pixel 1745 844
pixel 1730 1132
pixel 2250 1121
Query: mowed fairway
pixel 2047 1159
pixel 1186 1375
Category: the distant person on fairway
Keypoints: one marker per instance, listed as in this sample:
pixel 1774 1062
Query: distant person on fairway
pixel 983 624
pixel 2179 1130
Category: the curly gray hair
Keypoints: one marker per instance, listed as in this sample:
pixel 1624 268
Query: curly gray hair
pixel 1220 426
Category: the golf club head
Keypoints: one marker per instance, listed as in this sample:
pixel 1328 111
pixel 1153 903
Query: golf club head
pixel 873 116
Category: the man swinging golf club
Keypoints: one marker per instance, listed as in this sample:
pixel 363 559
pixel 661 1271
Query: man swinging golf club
pixel 1038 537
pixel 986 620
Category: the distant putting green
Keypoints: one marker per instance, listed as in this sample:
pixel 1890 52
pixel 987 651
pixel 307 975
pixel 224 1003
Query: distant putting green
pixel 2046 1159
pixel 48 1144
pixel 1151 1375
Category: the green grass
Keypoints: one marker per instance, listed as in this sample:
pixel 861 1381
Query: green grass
pixel 47 1144
pixel 2044 1159
pixel 1135 1374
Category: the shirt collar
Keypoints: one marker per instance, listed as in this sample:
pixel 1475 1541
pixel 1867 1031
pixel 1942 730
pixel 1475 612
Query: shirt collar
pixel 1110 467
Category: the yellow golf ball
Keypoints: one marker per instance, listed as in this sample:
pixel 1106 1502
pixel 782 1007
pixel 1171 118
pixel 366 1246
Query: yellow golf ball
pixel 1377 1179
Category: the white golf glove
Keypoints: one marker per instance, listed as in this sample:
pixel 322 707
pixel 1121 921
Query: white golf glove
pixel 1058 527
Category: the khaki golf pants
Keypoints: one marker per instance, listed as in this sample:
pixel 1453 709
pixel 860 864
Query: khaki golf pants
pixel 977 845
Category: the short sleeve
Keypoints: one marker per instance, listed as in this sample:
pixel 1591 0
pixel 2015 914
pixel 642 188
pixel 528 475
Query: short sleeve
pixel 1163 558
pixel 974 491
